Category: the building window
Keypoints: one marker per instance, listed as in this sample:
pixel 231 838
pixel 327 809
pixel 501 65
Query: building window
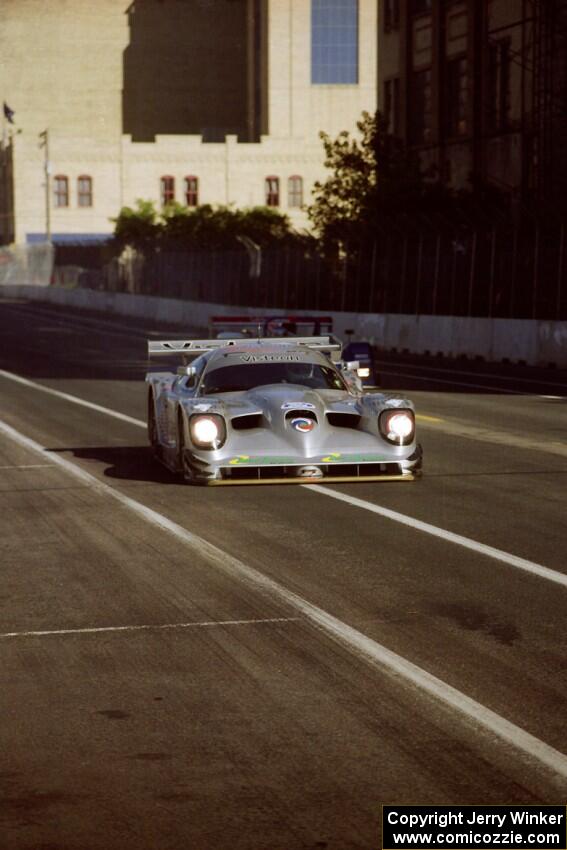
pixel 295 191
pixel 456 30
pixel 334 42
pixel 418 7
pixel 422 43
pixel 391 15
pixel 61 191
pixel 167 193
pixel 456 102
pixel 420 113
pixel 85 190
pixel 272 191
pixel 192 191
pixel 392 105
pixel 499 85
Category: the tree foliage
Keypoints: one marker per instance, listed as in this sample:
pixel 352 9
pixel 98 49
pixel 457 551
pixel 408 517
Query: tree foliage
pixel 373 178
pixel 202 228
pixel 377 184
pixel 139 226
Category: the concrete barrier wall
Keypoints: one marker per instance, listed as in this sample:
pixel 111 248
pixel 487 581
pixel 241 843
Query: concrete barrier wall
pixel 517 340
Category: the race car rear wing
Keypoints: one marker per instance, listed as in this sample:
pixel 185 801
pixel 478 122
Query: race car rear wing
pixel 226 321
pixel 190 348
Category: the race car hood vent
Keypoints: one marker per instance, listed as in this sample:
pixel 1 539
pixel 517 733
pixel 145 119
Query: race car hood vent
pixel 297 411
pixel 343 420
pixel 247 421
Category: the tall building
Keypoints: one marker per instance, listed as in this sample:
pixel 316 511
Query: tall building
pixel 479 88
pixel 197 101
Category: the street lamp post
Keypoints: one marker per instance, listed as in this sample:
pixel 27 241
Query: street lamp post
pixel 47 170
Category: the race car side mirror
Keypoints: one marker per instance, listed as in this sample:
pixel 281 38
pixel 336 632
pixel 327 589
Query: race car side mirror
pixel 184 371
pixel 352 365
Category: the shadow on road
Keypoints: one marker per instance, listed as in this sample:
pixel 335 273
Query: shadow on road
pixel 126 463
pixel 137 463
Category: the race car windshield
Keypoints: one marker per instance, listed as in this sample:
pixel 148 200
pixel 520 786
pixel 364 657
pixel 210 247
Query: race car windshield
pixel 230 379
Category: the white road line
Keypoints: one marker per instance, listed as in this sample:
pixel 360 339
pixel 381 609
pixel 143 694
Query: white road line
pixel 490 375
pixel 83 323
pixel 353 640
pixel 27 466
pixel 443 534
pixel 147 628
pixel 499 438
pixel 489 551
pixel 73 398
pixel 494 388
pixel 433 380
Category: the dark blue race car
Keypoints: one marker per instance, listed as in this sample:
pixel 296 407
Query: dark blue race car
pixel 364 353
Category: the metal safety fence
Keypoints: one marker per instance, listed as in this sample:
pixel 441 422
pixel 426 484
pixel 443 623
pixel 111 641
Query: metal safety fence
pixel 502 270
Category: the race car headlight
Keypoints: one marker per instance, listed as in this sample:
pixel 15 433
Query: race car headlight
pixel 208 431
pixel 363 372
pixel 397 426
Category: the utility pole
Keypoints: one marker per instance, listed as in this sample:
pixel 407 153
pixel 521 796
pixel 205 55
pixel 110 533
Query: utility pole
pixel 47 170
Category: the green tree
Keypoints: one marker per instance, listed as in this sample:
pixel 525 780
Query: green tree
pixel 265 225
pixel 373 180
pixel 202 228
pixel 376 184
pixel 139 226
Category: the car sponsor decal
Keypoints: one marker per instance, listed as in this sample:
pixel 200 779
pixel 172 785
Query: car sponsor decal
pixel 337 457
pixel 239 459
pixel 263 461
pixel 271 358
pixel 298 405
pixel 302 424
pixel 282 460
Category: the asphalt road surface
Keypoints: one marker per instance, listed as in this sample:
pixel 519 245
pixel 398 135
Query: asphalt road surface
pixel 264 667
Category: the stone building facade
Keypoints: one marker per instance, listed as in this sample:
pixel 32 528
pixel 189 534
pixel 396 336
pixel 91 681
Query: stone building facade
pixel 199 101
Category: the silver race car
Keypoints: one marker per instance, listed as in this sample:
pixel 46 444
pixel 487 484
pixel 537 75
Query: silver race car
pixel 274 410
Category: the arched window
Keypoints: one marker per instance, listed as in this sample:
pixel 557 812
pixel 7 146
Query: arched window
pixel 192 191
pixel 272 191
pixel 61 190
pixel 85 190
pixel 167 187
pixel 295 191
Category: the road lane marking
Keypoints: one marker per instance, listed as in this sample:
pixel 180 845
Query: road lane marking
pixel 489 375
pixel 453 428
pixel 502 438
pixel 116 328
pixel 489 551
pixel 72 398
pixel 431 379
pixel 498 554
pixel 27 466
pixel 147 628
pixel 490 387
pixel 83 323
pixel 423 418
pixel 350 638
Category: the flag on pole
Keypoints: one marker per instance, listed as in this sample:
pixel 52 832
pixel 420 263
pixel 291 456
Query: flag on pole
pixel 8 113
